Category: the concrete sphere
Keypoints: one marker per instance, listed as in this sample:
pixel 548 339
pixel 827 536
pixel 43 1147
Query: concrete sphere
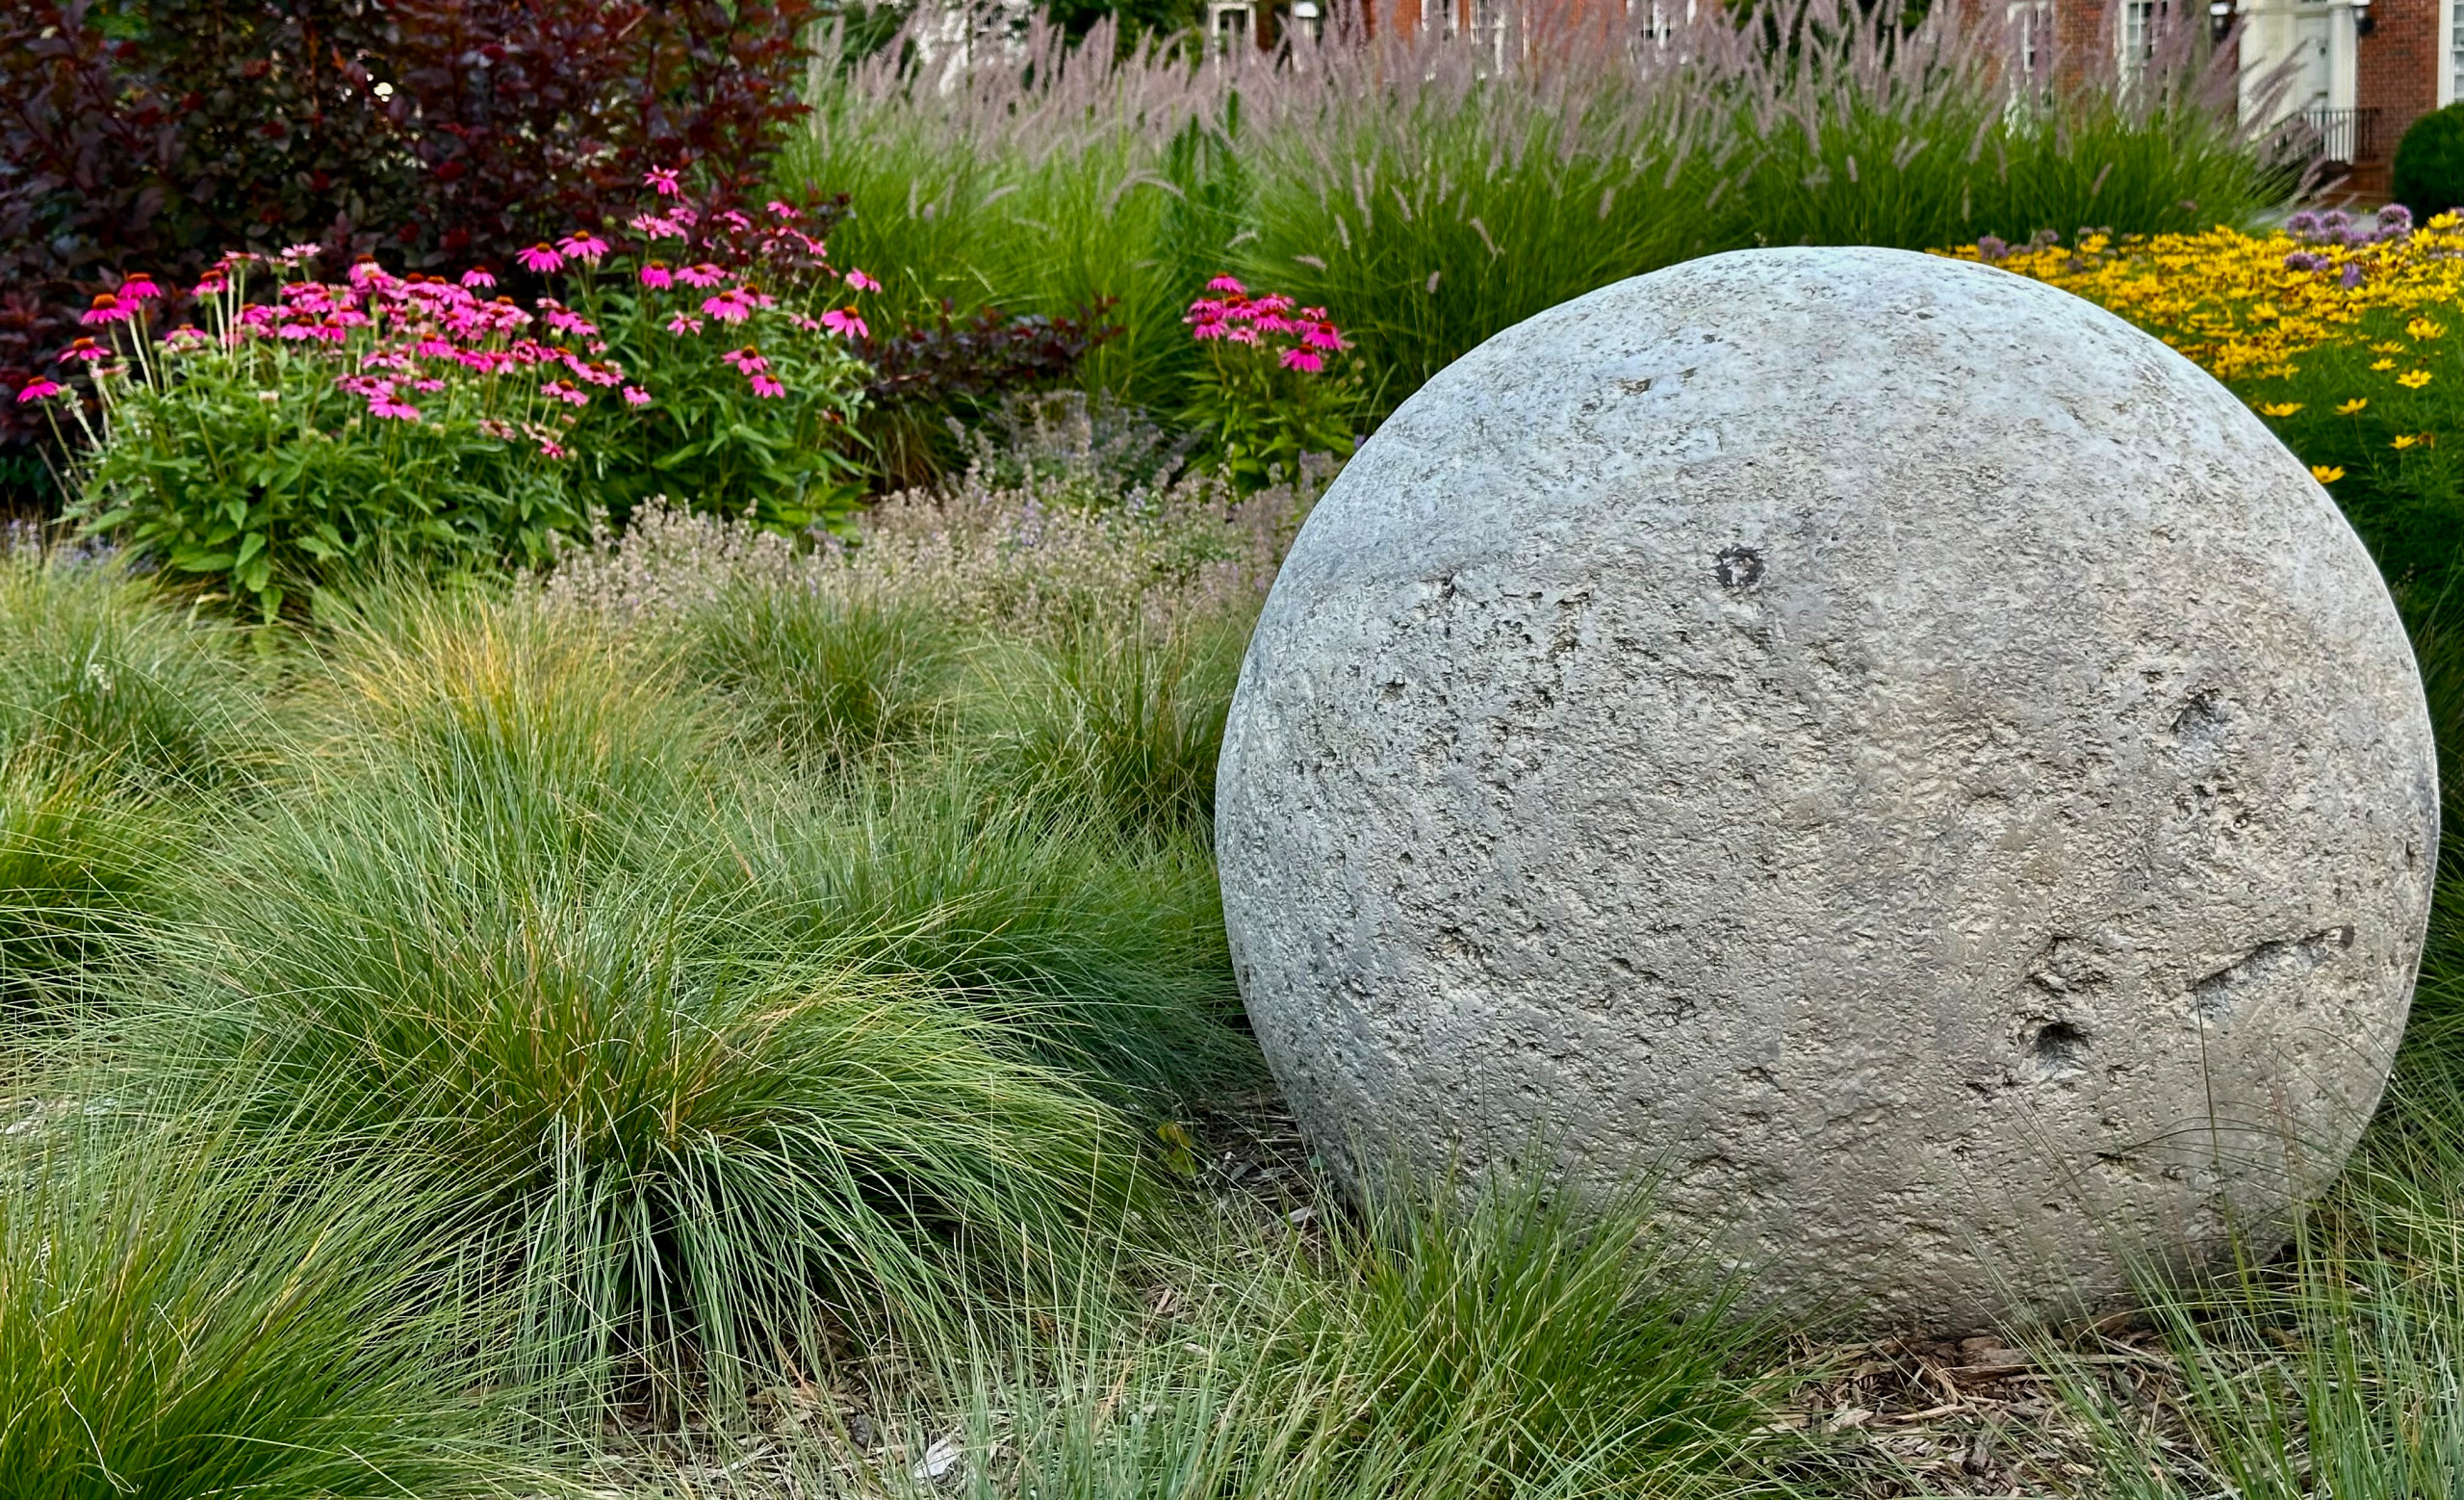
pixel 1874 742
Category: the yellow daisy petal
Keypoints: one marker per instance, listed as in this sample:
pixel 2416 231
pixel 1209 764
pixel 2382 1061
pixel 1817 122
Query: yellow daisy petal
pixel 2325 473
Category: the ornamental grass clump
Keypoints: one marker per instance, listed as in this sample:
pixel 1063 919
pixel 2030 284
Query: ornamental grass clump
pixel 1502 1341
pixel 82 869
pixel 187 1310
pixel 492 921
pixel 1086 947
pixel 1123 720
pixel 103 676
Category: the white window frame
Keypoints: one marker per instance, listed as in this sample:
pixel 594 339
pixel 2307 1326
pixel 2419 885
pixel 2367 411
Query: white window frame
pixel 1219 37
pixel 2137 32
pixel 2030 31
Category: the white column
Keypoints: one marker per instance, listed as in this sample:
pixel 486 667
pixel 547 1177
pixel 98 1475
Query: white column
pixel 2343 49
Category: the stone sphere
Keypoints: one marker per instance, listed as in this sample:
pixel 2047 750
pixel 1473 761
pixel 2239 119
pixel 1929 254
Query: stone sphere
pixel 1874 745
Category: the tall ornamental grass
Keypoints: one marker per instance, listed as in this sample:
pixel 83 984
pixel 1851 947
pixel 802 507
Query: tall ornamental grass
pixel 1430 193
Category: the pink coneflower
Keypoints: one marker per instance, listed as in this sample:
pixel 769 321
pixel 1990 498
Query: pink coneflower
pixel 85 350
pixel 1210 330
pixel 428 385
pixel 300 252
pixel 845 321
pixel 747 359
pixel 107 309
pixel 656 276
pixel 735 220
pixel 681 323
pixel 561 391
pixel 635 395
pixel 389 407
pixel 584 247
pixel 725 308
pixel 662 180
pixel 564 320
pixel 584 370
pixel 655 227
pixel 765 386
pixel 862 282
pixel 784 210
pixel 550 448
pixel 37 389
pixel 542 259
pixel 1322 335
pixel 477 279
pixel 1225 284
pixel 1242 335
pixel 1308 361
pixel 139 288
pixel 705 274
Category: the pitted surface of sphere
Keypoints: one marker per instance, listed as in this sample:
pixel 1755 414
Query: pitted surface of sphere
pixel 1876 742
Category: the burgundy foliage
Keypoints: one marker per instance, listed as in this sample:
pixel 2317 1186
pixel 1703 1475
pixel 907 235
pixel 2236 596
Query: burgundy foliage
pixel 154 135
pixel 975 359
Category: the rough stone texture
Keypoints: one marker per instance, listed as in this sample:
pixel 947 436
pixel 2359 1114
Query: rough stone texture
pixel 1875 740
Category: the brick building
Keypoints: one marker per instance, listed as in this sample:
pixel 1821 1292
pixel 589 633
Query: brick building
pixel 2344 76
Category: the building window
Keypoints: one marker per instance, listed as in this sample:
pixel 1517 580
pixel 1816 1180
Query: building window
pixel 1230 24
pixel 2031 23
pixel 2143 22
pixel 1488 27
pixel 2455 51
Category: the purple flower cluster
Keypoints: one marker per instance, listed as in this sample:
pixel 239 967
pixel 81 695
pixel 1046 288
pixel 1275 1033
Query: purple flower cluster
pixel 2337 228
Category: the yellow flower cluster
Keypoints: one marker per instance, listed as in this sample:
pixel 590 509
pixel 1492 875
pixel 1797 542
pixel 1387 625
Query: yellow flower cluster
pixel 2230 301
